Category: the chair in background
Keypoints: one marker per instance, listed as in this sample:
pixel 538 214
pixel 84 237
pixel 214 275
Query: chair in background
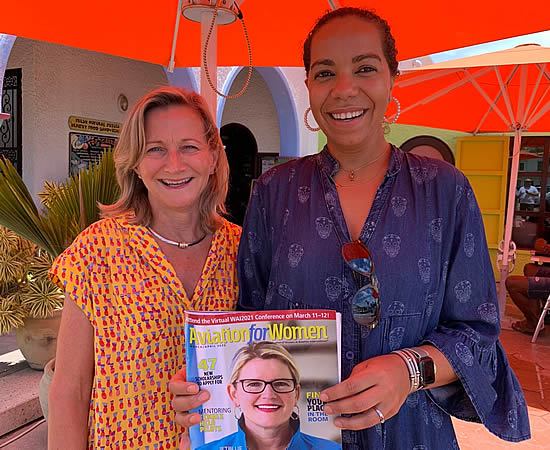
pixel 540 324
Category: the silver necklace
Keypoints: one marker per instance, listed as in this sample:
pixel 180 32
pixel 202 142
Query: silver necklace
pixel 177 244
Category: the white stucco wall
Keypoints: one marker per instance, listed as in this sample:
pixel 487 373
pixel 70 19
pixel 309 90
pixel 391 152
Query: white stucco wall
pixel 295 77
pixel 255 110
pixel 58 82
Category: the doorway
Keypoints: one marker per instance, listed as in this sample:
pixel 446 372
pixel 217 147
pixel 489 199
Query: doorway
pixel 241 150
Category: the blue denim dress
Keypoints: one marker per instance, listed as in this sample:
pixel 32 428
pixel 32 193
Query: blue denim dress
pixel 436 286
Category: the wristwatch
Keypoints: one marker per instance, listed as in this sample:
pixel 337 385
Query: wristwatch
pixel 426 366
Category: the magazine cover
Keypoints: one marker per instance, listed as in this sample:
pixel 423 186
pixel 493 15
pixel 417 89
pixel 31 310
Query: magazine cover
pixel 264 371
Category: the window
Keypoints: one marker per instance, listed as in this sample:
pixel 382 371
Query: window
pixel 532 206
pixel 10 130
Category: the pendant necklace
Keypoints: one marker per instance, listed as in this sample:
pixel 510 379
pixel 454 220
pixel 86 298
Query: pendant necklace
pixel 362 183
pixel 351 173
pixel 177 244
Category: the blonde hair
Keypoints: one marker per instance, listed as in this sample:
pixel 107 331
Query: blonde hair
pixel 262 350
pixel 131 149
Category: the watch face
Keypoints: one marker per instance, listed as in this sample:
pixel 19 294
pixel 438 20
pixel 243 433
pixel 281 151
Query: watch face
pixel 427 372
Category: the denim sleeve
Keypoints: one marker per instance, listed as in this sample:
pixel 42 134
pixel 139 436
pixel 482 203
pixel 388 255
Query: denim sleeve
pixel 254 258
pixel 487 391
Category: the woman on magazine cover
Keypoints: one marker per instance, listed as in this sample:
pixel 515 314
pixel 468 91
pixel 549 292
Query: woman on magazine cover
pixel 162 247
pixel 419 306
pixel 265 387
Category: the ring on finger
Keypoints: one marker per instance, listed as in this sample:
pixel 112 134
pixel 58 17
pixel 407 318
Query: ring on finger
pixel 380 415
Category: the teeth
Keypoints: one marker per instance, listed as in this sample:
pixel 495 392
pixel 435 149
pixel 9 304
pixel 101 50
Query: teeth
pixel 268 407
pixel 346 115
pixel 176 183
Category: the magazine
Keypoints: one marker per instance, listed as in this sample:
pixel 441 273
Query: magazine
pixel 264 371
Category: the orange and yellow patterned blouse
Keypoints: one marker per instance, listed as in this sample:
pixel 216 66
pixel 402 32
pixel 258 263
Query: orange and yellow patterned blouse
pixel 117 274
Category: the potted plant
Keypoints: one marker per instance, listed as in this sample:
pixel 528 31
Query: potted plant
pixel 29 302
pixel 37 236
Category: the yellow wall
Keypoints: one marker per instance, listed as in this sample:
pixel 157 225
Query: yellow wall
pixel 489 191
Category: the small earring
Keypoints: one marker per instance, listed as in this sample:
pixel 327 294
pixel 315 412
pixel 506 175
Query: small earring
pixel 237 412
pixel 295 412
pixel 308 126
pixel 396 116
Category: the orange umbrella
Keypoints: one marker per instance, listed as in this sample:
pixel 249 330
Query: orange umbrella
pixel 144 30
pixel 495 92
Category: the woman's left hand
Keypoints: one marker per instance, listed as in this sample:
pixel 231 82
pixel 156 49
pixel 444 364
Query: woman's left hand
pixel 381 383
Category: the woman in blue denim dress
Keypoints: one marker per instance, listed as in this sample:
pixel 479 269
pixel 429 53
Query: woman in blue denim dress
pixel 432 274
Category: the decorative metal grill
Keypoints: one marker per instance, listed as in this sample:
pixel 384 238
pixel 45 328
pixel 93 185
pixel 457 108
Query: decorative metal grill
pixel 10 130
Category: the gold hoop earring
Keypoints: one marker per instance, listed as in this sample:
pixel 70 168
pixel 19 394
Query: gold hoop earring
pixel 308 126
pixel 396 116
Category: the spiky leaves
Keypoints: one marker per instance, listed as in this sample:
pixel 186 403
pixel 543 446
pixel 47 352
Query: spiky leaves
pixel 69 207
pixel 25 287
pixel 12 314
pixel 40 298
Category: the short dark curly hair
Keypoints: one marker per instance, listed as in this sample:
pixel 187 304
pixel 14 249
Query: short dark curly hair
pixel 388 42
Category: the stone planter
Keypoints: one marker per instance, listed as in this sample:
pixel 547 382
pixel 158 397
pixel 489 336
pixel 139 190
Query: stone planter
pixel 37 340
pixel 44 387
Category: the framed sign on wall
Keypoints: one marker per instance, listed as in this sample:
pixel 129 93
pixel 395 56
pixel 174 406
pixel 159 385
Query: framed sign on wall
pixel 85 149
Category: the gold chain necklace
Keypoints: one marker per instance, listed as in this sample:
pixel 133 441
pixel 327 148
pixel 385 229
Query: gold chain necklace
pixel 352 172
pixel 338 185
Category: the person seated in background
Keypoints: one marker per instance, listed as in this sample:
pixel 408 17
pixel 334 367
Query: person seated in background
pixel 527 291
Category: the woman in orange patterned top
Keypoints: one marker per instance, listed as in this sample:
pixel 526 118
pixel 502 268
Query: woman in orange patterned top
pixel 163 247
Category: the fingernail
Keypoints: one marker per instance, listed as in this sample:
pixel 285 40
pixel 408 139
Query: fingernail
pixel 338 423
pixel 323 397
pixel 195 420
pixel 203 396
pixel 327 409
pixel 192 388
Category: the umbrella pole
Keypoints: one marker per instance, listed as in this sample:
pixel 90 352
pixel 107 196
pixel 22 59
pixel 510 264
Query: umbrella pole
pixel 504 268
pixel 206 90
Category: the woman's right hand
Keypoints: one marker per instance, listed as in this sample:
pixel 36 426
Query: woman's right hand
pixel 186 397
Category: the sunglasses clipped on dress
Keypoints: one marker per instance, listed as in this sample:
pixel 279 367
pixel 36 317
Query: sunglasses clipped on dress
pixel 366 301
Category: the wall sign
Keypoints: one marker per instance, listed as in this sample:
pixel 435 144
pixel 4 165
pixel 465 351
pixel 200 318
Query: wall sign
pixel 94 126
pixel 85 149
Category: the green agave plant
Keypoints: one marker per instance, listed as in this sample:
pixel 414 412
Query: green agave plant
pixel 31 237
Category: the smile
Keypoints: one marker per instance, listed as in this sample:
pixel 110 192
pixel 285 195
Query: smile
pixel 268 408
pixel 176 183
pixel 347 115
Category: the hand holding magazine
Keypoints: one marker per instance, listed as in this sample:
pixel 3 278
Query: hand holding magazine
pixel 264 371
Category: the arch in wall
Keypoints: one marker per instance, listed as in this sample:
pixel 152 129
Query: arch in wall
pixel 284 104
